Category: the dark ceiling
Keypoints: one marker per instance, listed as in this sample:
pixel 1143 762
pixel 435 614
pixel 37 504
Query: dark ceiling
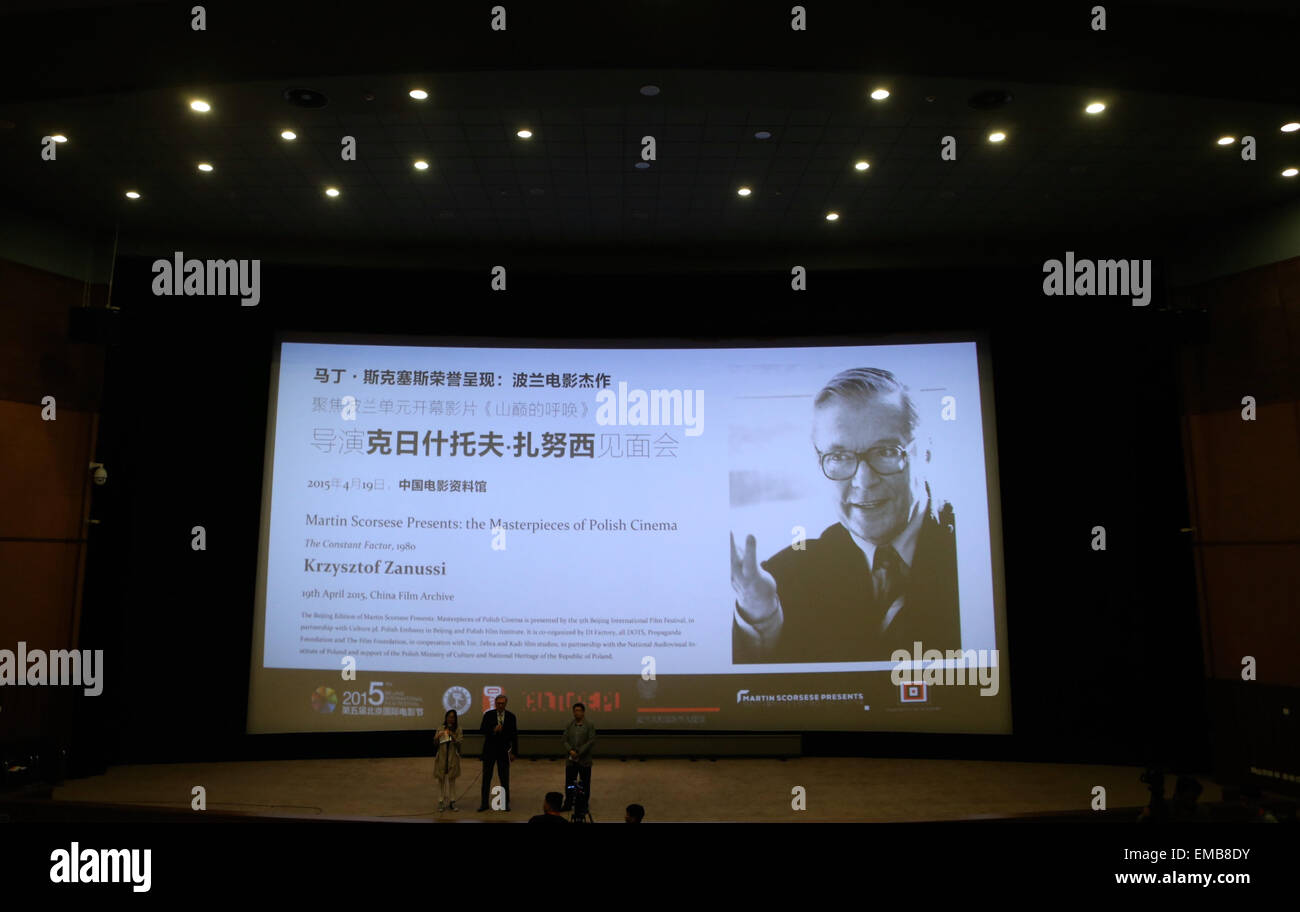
pixel 117 79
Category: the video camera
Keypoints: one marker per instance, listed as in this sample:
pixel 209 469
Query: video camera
pixel 576 798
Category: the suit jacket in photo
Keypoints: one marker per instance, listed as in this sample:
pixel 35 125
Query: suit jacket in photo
pixel 494 744
pixel 827 600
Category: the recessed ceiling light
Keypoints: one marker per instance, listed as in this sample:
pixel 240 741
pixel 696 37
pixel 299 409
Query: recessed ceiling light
pixel 832 216
pixel 59 137
pixel 288 134
pixel 862 166
pixel 524 134
pixel 997 136
pixel 762 134
pixel 649 90
pixel 418 94
pixel 1227 140
pixel 131 194
pixel 199 105
pixel 880 94
pixel 422 165
pixel 643 165
pixel 305 98
pixel 1290 172
pixel 331 191
pixel 1095 108
pixel 990 99
pixel 204 166
pixel 744 191
pixel 1290 127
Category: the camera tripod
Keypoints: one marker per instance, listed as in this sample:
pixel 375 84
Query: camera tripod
pixel 577 799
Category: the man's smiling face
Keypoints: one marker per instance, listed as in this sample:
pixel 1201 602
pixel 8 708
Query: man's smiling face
pixel 874 506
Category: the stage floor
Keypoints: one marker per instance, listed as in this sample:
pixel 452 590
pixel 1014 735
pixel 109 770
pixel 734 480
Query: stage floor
pixel 671 790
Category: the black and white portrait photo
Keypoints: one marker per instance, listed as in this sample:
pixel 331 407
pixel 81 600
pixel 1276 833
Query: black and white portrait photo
pixel 882 573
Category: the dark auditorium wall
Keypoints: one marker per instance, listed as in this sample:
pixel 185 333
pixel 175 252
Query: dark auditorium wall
pixel 1244 488
pixel 44 485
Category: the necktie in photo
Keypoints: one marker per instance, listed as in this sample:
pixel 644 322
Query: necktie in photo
pixel 889 579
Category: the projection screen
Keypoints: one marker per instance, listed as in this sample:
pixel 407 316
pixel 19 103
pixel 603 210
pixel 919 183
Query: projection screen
pixel 791 538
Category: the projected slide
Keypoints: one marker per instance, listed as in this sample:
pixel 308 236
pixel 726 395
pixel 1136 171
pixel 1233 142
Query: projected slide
pixel 729 539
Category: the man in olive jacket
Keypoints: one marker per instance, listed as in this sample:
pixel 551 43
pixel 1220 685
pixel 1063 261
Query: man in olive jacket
pixel 578 740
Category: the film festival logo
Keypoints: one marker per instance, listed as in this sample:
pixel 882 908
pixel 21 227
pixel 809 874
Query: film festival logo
pixel 921 669
pixel 651 408
pixel 324 700
pixel 84 668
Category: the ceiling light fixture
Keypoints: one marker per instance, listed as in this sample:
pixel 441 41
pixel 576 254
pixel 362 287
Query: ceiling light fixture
pixel 204 166
pixel 305 98
pixel 131 194
pixel 59 138
pixel 762 134
pixel 997 136
pixel 200 105
pixel 990 99
pixel 1290 127
pixel 650 90
pixel 1290 172
pixel 862 166
pixel 1095 108
pixel 744 191
pixel 832 216
pixel 1227 140
pixel 418 94
pixel 331 191
pixel 421 165
pixel 880 94
pixel 288 134
pixel 524 134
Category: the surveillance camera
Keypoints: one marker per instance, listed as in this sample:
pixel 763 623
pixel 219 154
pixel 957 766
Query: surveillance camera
pixel 101 474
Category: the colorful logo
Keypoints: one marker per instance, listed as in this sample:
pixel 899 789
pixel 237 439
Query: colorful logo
pixel 548 701
pixel 490 694
pixel 324 699
pixel 911 693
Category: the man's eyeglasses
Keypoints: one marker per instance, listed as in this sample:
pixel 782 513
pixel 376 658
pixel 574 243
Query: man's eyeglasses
pixel 841 465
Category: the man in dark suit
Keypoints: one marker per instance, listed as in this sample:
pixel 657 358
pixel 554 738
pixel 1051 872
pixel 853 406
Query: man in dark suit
pixel 885 575
pixel 500 745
